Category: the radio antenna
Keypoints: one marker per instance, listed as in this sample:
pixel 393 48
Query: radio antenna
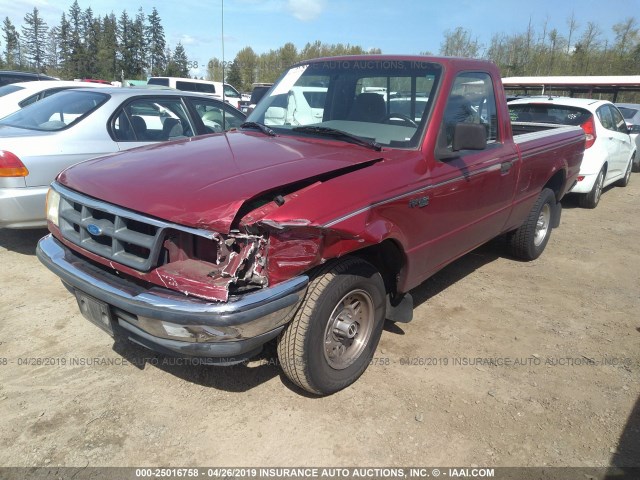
pixel 222 30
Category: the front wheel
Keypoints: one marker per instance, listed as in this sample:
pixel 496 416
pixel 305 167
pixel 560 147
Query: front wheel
pixel 530 239
pixel 334 334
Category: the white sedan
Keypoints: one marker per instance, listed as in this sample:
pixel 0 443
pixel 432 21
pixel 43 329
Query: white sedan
pixel 42 139
pixel 609 153
pixel 15 96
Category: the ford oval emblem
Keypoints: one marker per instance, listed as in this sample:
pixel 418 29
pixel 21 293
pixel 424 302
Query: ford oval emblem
pixel 94 230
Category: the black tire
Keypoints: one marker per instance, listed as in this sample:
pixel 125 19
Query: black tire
pixel 636 163
pixel 624 181
pixel 591 199
pixel 308 347
pixel 530 239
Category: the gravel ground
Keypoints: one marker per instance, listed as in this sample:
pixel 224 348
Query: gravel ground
pixel 505 364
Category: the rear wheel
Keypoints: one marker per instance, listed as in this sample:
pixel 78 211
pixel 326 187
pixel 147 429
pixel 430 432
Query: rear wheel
pixel 591 199
pixel 530 239
pixel 336 330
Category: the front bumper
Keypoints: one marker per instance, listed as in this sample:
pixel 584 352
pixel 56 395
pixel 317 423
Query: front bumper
pixel 236 329
pixel 22 207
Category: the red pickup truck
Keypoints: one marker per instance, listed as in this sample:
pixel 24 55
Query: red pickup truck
pixel 353 181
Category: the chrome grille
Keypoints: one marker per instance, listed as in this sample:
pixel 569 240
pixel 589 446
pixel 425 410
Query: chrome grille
pixel 113 232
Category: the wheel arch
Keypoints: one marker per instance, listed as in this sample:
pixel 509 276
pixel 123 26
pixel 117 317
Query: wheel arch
pixel 389 258
pixel 556 183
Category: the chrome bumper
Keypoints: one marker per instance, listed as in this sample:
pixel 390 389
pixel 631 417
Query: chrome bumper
pixel 233 328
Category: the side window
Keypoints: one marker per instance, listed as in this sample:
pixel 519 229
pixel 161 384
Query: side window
pixel 206 88
pixel 29 100
pixel 604 114
pixel 471 100
pixel 215 116
pixel 618 120
pixel 230 92
pixel 151 120
pixel 187 86
pixel 51 91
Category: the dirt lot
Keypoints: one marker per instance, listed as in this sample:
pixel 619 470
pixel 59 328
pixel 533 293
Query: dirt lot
pixel 563 334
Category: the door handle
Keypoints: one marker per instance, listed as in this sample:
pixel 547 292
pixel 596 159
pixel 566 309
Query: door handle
pixel 505 167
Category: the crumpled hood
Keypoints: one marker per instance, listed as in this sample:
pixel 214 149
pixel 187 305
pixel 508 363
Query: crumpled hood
pixel 203 181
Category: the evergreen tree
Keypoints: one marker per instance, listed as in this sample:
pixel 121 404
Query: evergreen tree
pixel 155 44
pixel 77 56
pixel 107 48
pixel 138 45
pixel 52 51
pixel 178 65
pixel 125 43
pixel 34 37
pixel 92 32
pixel 64 46
pixel 234 76
pixel 11 44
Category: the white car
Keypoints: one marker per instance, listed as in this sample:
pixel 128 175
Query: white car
pixel 15 96
pixel 216 89
pixel 609 153
pixel 46 137
pixel 299 106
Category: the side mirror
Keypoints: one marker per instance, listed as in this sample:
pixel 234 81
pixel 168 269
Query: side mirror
pixel 466 136
pixel 469 136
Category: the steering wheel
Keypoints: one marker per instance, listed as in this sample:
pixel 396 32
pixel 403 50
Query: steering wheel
pixel 406 119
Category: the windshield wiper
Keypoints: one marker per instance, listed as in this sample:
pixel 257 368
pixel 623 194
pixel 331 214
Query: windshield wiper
pixel 332 132
pixel 260 126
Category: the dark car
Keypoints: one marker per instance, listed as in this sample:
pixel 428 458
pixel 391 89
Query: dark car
pixel 259 89
pixel 9 76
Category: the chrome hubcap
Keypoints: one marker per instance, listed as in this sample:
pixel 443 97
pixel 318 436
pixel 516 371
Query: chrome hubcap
pixel 349 329
pixel 542 226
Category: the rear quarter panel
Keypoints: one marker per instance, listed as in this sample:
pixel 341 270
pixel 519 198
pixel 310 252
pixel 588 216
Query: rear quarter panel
pixel 543 154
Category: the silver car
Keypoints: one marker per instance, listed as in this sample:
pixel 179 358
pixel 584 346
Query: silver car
pixel 42 139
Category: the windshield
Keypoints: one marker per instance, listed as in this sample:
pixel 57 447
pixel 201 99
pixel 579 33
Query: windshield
pixel 57 111
pixel 627 112
pixel 7 89
pixel 383 101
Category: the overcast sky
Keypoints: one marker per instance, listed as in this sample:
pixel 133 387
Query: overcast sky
pixel 395 26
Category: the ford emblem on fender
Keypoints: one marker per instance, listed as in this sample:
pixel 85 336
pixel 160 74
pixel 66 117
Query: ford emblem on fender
pixel 94 230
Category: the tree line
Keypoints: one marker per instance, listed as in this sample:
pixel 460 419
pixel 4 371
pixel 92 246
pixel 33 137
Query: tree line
pixel 542 50
pixel 248 67
pixel 83 45
pixel 578 50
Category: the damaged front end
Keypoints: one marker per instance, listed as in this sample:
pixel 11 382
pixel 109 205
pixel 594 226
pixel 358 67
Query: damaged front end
pixel 213 267
pixel 195 262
